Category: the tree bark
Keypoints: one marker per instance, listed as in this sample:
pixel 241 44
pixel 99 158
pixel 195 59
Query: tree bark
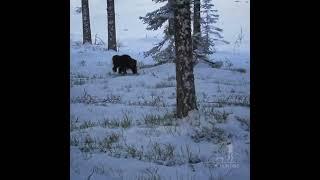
pixel 196 24
pixel 86 22
pixel 112 41
pixel 186 97
pixel 171 18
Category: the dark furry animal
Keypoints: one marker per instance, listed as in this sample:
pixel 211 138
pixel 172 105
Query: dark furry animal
pixel 124 62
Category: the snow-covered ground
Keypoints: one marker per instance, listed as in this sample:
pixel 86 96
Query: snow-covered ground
pixel 123 127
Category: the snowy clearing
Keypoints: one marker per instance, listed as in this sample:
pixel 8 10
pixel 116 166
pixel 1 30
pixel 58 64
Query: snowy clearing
pixel 123 127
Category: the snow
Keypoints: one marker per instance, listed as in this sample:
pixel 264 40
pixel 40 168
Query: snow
pixel 99 95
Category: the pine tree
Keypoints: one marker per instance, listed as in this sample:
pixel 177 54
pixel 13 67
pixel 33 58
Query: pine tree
pixel 186 96
pixel 112 40
pixel 164 50
pixel 86 22
pixel 211 33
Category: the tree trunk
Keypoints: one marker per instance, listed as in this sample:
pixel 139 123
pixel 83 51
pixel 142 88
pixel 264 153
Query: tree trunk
pixel 196 24
pixel 186 97
pixel 112 41
pixel 171 18
pixel 86 22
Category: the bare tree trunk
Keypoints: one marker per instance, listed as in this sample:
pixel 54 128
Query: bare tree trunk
pixel 112 41
pixel 186 97
pixel 171 18
pixel 86 22
pixel 196 24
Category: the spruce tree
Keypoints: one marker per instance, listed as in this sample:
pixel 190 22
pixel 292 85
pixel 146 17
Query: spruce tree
pixel 210 32
pixel 164 51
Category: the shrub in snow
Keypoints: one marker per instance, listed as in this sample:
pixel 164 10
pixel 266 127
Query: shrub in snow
pixel 106 144
pixel 150 173
pixel 155 101
pixel 87 124
pixel 165 84
pixel 219 116
pixel 88 144
pixel 234 99
pixel 134 152
pixel 126 122
pixel 110 123
pixel 74 141
pixel 245 122
pixel 73 123
pixel 152 120
pixel 189 156
pixel 86 98
pixel 161 153
pixel 210 134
